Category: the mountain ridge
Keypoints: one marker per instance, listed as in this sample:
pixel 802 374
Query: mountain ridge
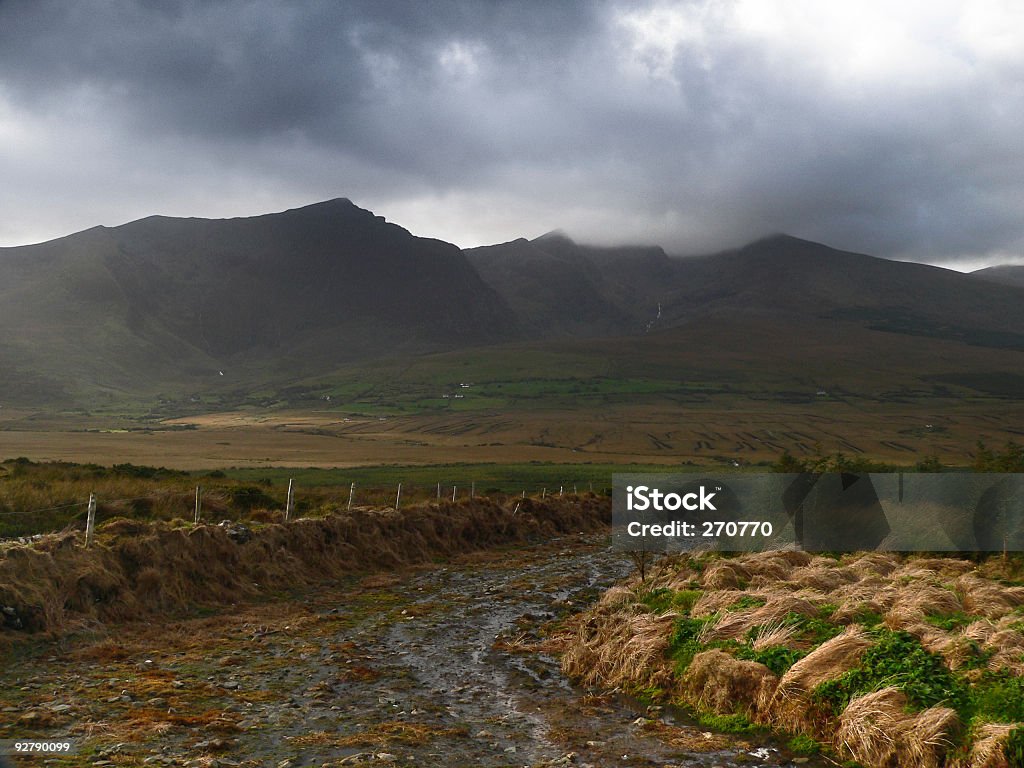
pixel 168 305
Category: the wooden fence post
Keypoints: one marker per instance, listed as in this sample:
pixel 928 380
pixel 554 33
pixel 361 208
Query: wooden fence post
pixel 90 520
pixel 398 497
pixel 199 502
pixel 454 488
pixel 351 493
pixel 290 500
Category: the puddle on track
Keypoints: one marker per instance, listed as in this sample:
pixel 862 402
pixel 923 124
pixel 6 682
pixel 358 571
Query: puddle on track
pixel 491 707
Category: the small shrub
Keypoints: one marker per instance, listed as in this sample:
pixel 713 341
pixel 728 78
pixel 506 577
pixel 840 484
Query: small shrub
pixel 777 658
pixel 247 497
pixel 897 659
pixel 683 644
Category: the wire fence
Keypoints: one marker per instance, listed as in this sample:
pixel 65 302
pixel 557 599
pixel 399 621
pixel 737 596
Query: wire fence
pixel 216 503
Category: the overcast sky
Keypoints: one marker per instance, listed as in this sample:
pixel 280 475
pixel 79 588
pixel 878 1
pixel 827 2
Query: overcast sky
pixel 893 128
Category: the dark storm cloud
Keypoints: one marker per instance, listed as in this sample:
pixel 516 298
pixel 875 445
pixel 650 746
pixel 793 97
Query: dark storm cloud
pixel 696 124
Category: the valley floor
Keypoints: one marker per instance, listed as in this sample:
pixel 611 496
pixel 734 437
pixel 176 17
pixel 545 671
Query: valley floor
pixel 716 432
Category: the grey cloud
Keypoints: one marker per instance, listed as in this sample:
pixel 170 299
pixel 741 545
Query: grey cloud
pixel 523 106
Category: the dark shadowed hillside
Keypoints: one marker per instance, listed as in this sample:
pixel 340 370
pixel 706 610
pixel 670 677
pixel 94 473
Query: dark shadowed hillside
pixel 1008 274
pixel 787 277
pixel 576 290
pixel 164 303
pixel 243 310
pixel 563 288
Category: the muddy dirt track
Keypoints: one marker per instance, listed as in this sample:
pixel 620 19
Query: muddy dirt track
pixel 436 666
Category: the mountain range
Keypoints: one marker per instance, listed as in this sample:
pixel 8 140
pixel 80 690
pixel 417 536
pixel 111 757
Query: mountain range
pixel 172 307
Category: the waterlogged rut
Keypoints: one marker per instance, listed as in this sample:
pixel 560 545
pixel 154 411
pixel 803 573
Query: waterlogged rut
pixel 456 661
pixel 436 666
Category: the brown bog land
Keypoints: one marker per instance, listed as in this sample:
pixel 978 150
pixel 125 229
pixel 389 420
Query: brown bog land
pixel 656 433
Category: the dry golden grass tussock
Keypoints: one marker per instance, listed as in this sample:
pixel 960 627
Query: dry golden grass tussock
pixel 781 604
pixel 873 563
pixel 788 705
pixel 988 751
pixel 720 683
pixel 58 585
pixel 924 597
pixel 914 601
pixel 617 649
pixel 823 577
pixel 950 645
pixel 772 634
pixel 765 565
pixel 979 631
pixel 735 625
pixel 877 731
pixel 1008 647
pixel 986 598
pixel 873 594
pixel 795 557
pixel 867 727
pixel 724 575
pixel 617 596
pixel 715 601
pixel 943 567
pixel 897 620
pixel 729 626
pixel 671 570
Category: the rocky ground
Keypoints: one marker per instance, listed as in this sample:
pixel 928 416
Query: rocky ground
pixel 441 665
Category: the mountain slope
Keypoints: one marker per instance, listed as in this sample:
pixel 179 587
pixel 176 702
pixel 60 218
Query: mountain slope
pixel 1008 274
pixel 787 277
pixel 245 308
pixel 573 290
pixel 562 288
pixel 163 302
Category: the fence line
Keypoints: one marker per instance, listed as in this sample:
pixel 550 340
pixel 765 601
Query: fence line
pixel 373 496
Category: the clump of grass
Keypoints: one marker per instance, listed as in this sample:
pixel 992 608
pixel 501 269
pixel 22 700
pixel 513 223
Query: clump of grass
pixel 663 600
pixel 896 660
pixel 920 663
